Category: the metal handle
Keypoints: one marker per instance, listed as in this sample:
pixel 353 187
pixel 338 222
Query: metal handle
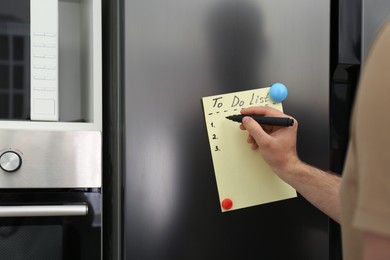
pixel 43 210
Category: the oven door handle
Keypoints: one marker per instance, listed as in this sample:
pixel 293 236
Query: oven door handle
pixel 43 210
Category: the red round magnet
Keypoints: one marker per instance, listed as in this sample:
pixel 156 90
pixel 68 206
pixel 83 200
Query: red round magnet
pixel 227 204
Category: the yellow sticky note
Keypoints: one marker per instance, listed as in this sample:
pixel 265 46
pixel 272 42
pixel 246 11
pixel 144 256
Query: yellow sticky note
pixel 243 177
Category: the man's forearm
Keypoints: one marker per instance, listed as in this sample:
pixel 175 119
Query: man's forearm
pixel 319 187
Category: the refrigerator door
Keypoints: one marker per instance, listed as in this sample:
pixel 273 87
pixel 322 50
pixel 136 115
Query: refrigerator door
pixel 175 53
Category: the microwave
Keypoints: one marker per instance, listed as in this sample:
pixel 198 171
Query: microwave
pixel 47 60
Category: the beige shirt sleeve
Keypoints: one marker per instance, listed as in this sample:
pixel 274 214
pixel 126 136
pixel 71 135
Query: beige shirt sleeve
pixel 372 136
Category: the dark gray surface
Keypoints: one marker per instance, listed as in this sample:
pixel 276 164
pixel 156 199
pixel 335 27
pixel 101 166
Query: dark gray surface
pixel 176 52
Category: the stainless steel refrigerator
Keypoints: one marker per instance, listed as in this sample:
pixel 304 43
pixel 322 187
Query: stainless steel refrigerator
pixel 173 53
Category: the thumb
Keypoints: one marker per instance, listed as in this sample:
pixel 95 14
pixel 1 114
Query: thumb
pixel 254 129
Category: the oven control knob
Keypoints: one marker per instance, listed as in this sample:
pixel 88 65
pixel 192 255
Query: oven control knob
pixel 10 161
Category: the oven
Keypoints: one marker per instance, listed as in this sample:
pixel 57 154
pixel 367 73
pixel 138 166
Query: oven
pixel 50 194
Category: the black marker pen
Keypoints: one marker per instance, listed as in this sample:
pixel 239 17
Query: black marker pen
pixel 265 120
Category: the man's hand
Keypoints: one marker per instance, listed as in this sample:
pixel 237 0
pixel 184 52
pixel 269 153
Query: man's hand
pixel 277 145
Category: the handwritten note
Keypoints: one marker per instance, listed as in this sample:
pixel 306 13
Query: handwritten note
pixel 243 177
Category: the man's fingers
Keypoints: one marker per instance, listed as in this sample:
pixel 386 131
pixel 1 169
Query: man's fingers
pixel 255 131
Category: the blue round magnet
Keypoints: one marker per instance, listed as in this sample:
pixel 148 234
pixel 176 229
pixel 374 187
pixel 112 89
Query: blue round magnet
pixel 278 92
